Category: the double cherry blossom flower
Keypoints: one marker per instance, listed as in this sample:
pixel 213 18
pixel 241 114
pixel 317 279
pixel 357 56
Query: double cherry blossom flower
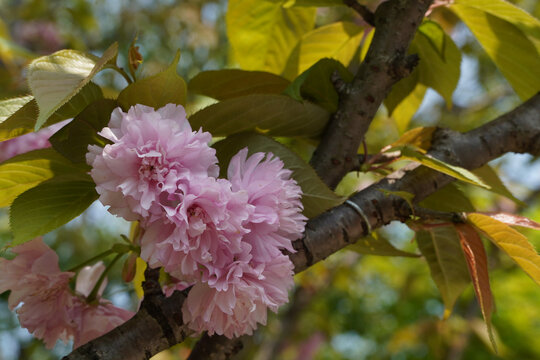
pixel 222 236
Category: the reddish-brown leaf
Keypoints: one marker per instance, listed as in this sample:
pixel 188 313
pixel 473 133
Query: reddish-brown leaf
pixel 476 258
pixel 514 220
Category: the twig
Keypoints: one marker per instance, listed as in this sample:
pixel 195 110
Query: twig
pixel 362 10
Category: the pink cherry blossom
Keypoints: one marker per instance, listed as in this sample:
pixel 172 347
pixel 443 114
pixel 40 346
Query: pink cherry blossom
pixel 35 279
pixel 28 142
pixel 277 217
pixel 151 152
pixel 90 321
pixel 237 309
pixel 201 232
pixel 50 310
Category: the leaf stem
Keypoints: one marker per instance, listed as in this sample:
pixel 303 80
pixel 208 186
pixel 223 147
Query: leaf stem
pixel 94 293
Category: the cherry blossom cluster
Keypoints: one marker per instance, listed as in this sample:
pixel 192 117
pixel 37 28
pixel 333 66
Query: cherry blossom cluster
pixel 223 237
pixel 50 309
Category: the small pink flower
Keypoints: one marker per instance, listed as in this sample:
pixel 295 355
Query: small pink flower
pixel 28 142
pixel 277 217
pixel 90 321
pixel 151 152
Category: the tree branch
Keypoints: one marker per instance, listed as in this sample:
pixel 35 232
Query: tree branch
pixel 158 324
pixel 385 64
pixel 362 10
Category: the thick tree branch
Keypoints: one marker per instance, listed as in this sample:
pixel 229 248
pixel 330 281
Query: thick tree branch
pixel 215 347
pixel 158 324
pixel 517 131
pixel 385 64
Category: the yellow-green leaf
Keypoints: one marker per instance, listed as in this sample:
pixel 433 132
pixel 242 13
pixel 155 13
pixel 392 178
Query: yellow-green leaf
pixel 56 78
pixel 506 44
pixel 230 83
pixel 405 110
pixel 457 172
pixel 262 34
pixel 438 71
pixel 25 171
pixel 338 41
pixel 276 115
pixel 441 248
pixel 156 91
pixel 49 205
pixel 419 137
pixel 18 116
pixel 510 241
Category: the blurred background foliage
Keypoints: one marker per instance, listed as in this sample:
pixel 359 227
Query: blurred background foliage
pixel 351 306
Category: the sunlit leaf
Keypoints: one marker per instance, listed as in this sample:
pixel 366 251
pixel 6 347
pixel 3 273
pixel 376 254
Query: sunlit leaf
pixel 73 139
pixel 514 220
pixel 25 171
pixel 400 91
pixel 510 241
pixel 289 3
pixel 419 137
pixel 262 34
pixel 457 172
pixel 528 24
pixel 375 244
pixel 438 71
pixel 338 41
pixel 56 78
pixel 506 44
pixel 16 121
pixel 48 206
pixel 317 197
pixel 276 115
pixel 139 277
pixel 441 248
pixel 231 83
pixel 476 258
pixel 156 91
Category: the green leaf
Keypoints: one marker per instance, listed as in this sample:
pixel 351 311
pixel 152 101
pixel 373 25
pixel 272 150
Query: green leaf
pixel 476 258
pixel 315 84
pixel 48 206
pixel 376 244
pixel 73 139
pixel 262 34
pixel 405 110
pixel 449 198
pixel 437 70
pixel 457 172
pixel 18 117
pixel 490 177
pixel 25 171
pixel 339 41
pixel 156 91
pixel 528 24
pixel 514 53
pixel 510 241
pixel 276 115
pixel 231 83
pixel 317 197
pixel 441 248
pixel 400 91
pixel 56 78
